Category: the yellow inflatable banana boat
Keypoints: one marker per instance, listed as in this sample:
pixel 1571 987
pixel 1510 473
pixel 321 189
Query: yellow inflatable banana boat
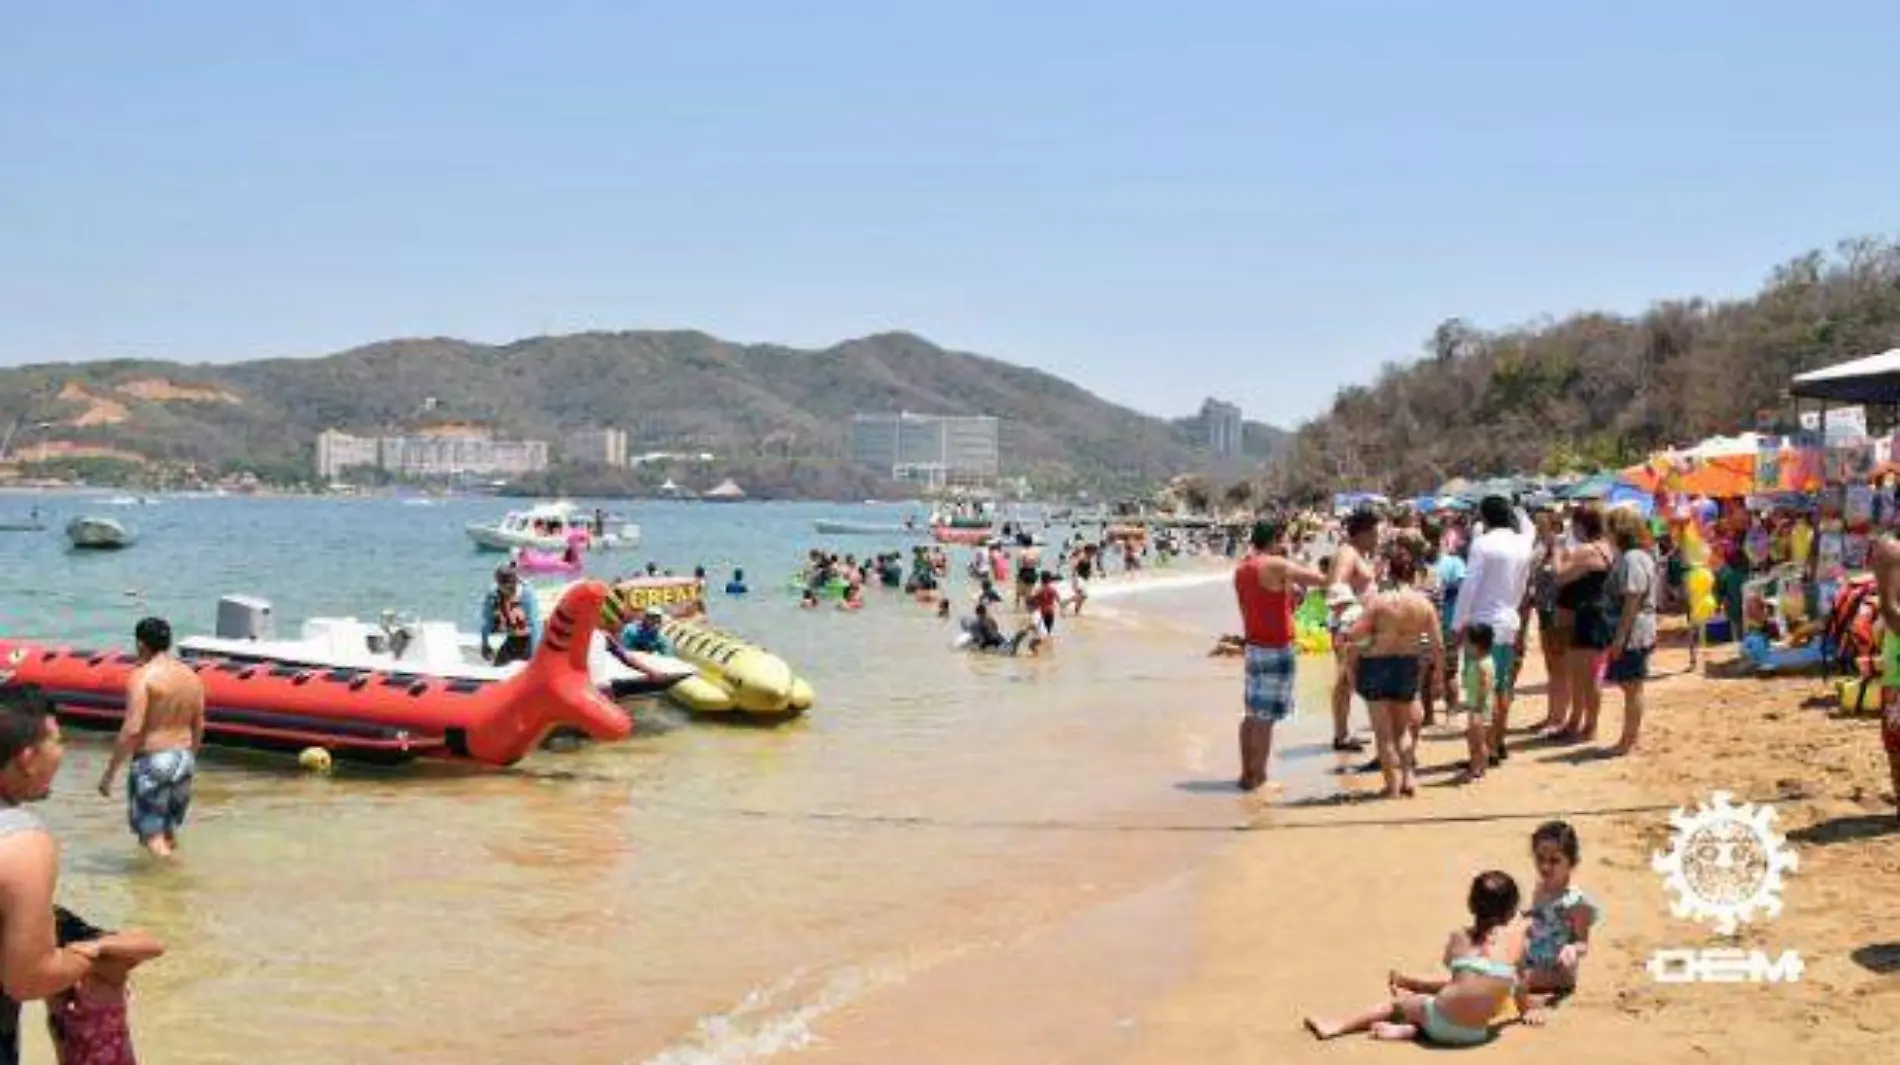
pixel 734 676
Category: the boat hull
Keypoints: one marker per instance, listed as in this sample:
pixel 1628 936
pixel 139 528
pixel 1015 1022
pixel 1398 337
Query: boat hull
pixel 98 534
pixel 372 714
pixel 863 528
pixel 495 538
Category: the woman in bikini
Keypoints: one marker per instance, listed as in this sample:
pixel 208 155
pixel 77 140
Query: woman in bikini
pixel 1582 572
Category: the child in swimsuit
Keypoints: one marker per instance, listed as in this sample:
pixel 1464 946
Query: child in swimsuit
pixel 88 1022
pixel 1483 960
pixel 1560 915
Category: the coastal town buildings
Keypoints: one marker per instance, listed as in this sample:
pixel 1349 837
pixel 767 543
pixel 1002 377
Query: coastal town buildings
pixel 931 449
pixel 599 447
pixel 1224 427
pixel 432 452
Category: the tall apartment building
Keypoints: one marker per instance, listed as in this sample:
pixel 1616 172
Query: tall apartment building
pixel 1226 429
pixel 442 452
pixel 602 447
pixel 932 449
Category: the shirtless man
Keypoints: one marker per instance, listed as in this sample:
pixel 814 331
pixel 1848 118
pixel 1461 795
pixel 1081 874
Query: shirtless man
pixel 164 727
pixel 1397 623
pixel 1886 562
pixel 1352 567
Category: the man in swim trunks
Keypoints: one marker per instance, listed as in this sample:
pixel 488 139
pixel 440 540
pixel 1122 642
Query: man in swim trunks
pixel 164 727
pixel 1398 623
pixel 1886 563
pixel 1352 567
pixel 1266 585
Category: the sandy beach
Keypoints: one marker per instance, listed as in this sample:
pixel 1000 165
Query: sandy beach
pixel 1313 901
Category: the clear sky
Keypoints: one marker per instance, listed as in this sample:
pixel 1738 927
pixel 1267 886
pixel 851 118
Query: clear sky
pixel 1158 200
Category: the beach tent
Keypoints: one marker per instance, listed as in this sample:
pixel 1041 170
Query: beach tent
pixel 1874 379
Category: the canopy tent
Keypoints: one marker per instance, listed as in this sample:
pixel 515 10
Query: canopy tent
pixel 1595 486
pixel 1874 379
pixel 1722 477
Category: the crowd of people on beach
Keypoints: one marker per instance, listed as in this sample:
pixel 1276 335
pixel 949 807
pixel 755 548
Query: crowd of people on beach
pixel 1429 608
pixel 1425 607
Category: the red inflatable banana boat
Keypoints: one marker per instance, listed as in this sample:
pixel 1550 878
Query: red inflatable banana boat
pixel 373 715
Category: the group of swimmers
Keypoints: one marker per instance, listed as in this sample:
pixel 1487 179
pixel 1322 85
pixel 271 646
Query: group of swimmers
pixel 1505 960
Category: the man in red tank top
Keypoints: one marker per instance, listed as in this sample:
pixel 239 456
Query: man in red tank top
pixel 1266 586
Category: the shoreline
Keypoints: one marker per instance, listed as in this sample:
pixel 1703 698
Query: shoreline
pixel 1220 960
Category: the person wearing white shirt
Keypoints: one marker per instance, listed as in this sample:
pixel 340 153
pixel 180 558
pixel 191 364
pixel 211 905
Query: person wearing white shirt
pixel 1492 594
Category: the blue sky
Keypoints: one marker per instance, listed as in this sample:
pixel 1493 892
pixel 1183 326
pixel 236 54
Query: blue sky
pixel 1161 201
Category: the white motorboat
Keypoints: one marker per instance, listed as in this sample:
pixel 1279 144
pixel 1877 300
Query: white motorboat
pixel 434 648
pixel 99 534
pixel 546 528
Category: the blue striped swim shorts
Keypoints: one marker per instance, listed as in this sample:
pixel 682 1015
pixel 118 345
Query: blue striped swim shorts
pixel 1270 683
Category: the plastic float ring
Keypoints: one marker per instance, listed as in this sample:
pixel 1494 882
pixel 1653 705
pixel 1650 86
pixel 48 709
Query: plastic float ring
pixel 302 678
pixel 419 687
pixel 357 684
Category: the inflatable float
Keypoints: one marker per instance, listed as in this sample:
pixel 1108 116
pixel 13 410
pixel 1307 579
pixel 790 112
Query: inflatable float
pixel 970 535
pixel 734 676
pixel 374 715
pixel 530 560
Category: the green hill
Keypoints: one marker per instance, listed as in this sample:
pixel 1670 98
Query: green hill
pixel 776 417
pixel 1596 389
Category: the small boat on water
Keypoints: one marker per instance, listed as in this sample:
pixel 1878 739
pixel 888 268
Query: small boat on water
pixel 827 527
pixel 30 523
pixel 99 534
pixel 375 714
pixel 546 528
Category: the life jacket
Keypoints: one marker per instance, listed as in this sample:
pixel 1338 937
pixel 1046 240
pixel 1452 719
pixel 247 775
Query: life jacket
pixel 1850 627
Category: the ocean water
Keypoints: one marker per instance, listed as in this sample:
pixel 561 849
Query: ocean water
pixel 700 893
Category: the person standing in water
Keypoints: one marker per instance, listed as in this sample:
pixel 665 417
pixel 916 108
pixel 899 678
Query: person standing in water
pixel 163 729
pixel 1266 584
pixel 509 614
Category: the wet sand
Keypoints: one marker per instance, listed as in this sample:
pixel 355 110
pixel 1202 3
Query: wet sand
pixel 1306 910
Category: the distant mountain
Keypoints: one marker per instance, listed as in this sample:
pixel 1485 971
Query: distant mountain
pixel 769 413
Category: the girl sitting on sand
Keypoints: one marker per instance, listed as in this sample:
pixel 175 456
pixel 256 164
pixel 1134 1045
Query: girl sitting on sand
pixel 1483 960
pixel 1560 915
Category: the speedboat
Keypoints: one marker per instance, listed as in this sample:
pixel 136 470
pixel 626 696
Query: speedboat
pixel 546 528
pixel 98 534
pixel 396 642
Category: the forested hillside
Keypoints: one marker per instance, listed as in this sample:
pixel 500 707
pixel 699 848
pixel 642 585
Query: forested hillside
pixel 1595 389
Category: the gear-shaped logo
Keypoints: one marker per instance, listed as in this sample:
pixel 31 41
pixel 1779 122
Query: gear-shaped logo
pixel 1725 863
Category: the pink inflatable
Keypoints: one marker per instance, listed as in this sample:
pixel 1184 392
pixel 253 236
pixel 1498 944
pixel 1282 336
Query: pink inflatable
pixel 529 560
